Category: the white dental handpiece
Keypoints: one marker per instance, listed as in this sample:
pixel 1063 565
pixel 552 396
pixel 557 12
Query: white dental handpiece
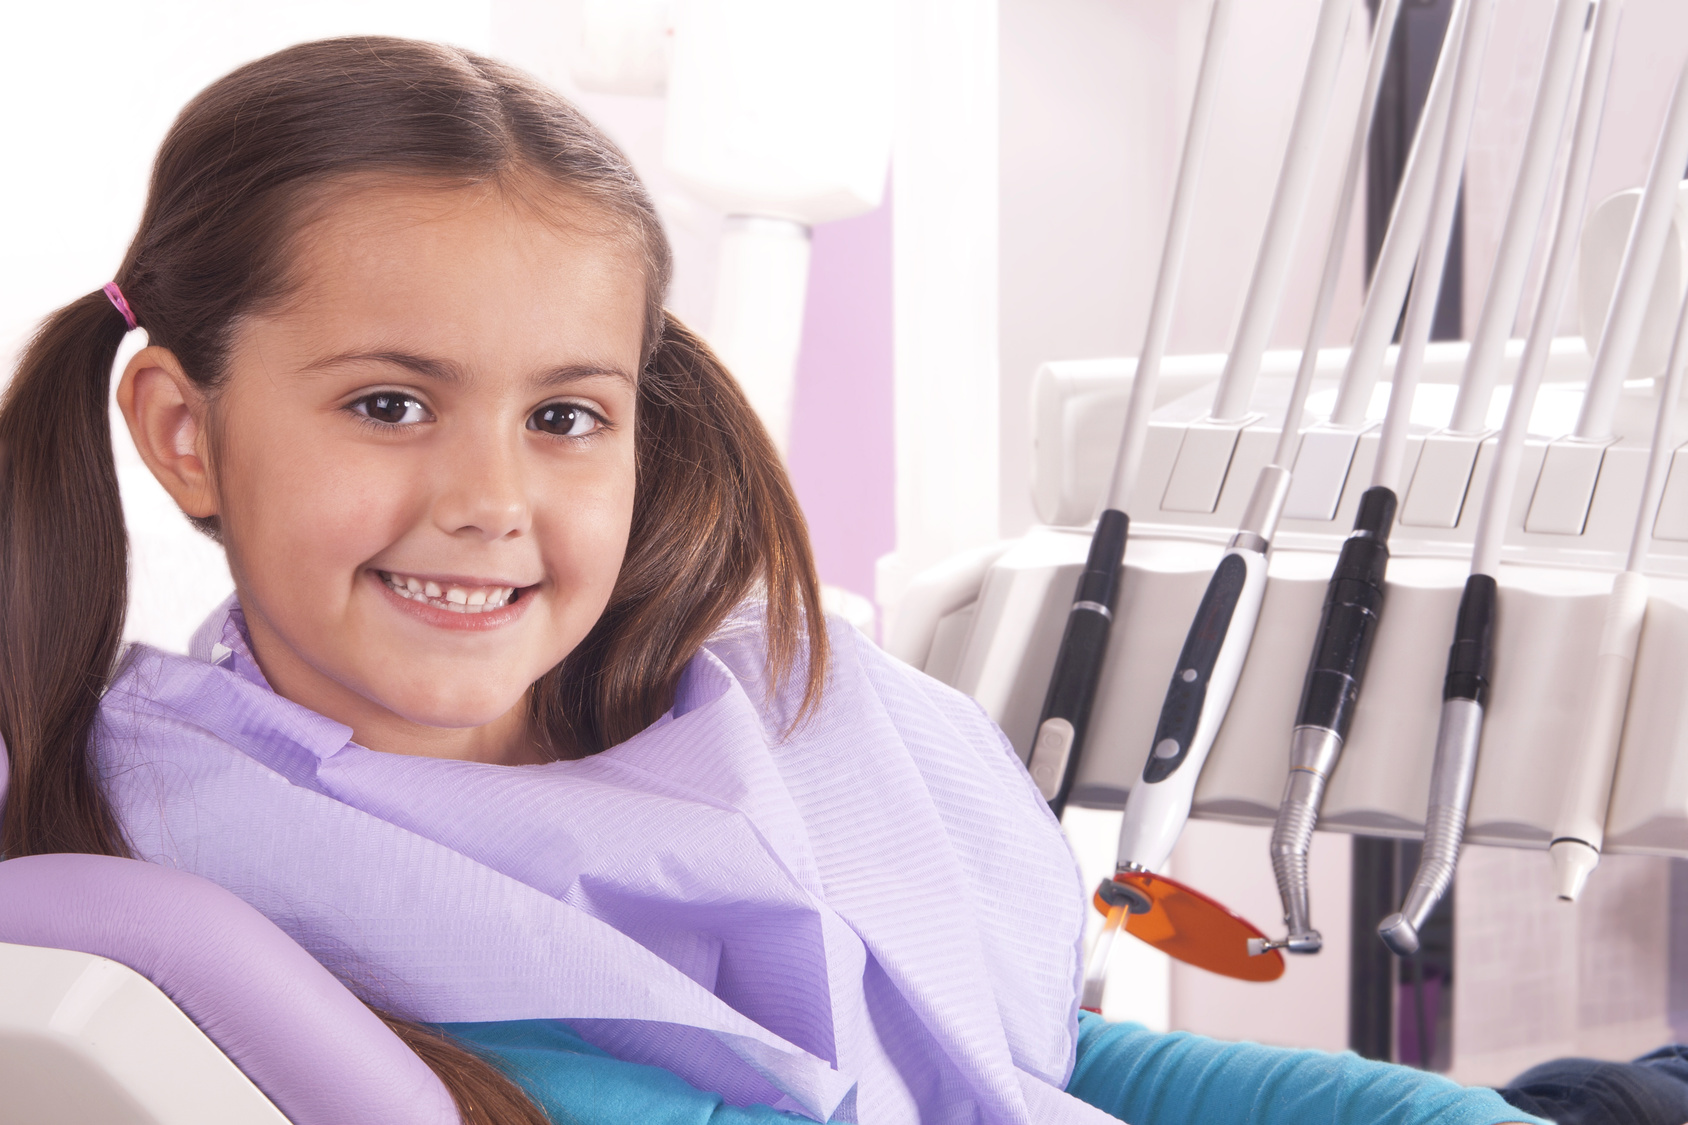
pixel 1203 682
pixel 1219 637
pixel 1579 828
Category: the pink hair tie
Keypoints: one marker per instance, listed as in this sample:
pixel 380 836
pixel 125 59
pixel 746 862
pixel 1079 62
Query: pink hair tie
pixel 115 296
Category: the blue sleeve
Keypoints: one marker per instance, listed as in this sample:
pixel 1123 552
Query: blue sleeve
pixel 1153 1078
pixel 577 1084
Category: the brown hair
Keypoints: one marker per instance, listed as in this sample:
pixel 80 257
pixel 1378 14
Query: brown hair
pixel 715 520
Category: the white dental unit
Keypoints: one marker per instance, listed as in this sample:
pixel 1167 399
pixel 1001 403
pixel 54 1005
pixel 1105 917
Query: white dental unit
pixel 989 623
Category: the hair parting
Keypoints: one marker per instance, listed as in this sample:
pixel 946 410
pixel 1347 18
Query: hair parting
pixel 715 524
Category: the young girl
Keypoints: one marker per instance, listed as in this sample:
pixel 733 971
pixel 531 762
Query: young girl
pixel 523 718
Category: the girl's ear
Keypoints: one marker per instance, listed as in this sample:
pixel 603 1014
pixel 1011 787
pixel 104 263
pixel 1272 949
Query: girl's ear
pixel 167 416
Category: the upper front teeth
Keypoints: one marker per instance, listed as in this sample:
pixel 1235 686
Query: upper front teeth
pixel 460 599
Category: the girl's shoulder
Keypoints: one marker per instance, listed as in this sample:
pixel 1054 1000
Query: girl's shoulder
pixel 166 709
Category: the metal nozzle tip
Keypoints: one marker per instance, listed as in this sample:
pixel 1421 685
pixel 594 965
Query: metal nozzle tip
pixel 1399 935
pixel 1308 942
pixel 1573 860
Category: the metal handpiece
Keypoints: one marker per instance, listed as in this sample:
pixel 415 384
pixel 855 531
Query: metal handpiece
pixel 1465 693
pixel 1072 684
pixel 1353 603
pixel 1313 755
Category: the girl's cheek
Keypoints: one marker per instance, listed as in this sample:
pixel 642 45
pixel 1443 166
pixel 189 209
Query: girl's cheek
pixel 294 518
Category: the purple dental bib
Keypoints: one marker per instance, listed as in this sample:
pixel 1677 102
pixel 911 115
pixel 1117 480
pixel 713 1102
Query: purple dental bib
pixel 875 919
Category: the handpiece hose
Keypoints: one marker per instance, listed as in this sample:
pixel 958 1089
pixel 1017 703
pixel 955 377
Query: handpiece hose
pixel 1465 693
pixel 1353 603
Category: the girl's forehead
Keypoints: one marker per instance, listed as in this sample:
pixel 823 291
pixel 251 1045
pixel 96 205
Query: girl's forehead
pixel 382 224
pixel 465 264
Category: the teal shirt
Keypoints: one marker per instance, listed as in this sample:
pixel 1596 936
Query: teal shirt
pixel 1138 1075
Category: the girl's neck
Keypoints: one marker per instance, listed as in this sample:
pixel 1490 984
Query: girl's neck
pixel 508 740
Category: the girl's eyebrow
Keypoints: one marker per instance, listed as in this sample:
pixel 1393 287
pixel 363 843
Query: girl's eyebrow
pixel 446 371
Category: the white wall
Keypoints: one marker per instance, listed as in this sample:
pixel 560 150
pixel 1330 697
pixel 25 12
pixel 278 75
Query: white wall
pixel 542 37
pixel 945 284
pixel 92 87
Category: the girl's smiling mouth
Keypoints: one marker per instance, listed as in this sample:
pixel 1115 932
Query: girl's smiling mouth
pixel 455 602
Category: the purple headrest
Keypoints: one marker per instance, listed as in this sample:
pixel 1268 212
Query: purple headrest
pixel 319 1054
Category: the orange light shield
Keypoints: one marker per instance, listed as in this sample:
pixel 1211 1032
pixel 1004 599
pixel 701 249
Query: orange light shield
pixel 1187 925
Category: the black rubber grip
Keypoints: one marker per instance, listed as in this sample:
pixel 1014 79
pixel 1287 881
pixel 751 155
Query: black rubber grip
pixel 1078 662
pixel 1182 711
pixel 1348 624
pixel 1471 654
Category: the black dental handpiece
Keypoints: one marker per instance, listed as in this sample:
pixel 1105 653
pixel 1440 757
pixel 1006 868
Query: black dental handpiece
pixel 1347 626
pixel 1078 663
pixel 1465 694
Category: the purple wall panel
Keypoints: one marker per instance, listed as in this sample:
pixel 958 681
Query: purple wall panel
pixel 841 453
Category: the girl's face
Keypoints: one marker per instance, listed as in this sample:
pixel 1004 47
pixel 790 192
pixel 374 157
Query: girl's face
pixel 423 463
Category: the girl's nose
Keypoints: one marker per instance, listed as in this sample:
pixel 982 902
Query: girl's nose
pixel 481 494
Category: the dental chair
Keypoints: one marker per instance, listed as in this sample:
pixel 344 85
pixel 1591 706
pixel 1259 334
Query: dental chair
pixel 134 994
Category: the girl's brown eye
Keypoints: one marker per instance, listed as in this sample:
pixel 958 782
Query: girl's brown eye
pixel 564 419
pixel 392 408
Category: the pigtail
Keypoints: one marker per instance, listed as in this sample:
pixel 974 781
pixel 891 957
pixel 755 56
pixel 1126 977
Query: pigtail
pixel 715 518
pixel 63 581
pixel 484 1094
